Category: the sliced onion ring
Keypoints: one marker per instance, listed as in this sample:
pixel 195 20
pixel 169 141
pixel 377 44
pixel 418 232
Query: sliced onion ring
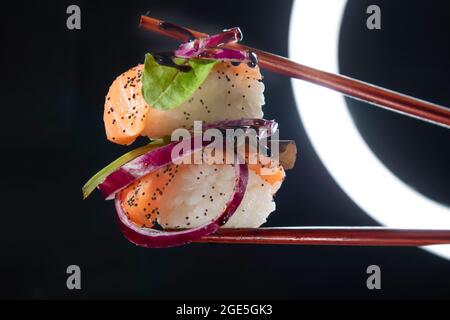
pixel 195 47
pixel 152 238
pixel 210 48
pixel 143 165
pixel 225 54
pixel 100 176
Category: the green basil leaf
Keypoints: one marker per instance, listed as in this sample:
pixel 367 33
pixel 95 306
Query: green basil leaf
pixel 165 88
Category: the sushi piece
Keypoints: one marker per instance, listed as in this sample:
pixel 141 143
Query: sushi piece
pixel 188 196
pixel 229 92
pixel 190 201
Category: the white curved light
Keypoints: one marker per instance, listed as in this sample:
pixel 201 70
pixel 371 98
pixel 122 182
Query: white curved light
pixel 313 40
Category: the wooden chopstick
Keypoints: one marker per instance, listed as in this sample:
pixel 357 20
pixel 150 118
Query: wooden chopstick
pixel 360 90
pixel 343 236
pixel 338 236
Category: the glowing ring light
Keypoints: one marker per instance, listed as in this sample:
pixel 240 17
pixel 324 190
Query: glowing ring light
pixel 313 40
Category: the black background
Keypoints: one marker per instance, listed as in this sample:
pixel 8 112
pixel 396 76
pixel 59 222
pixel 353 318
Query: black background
pixel 53 86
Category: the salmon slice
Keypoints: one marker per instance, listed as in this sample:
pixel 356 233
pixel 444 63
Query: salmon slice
pixel 272 172
pixel 140 199
pixel 125 108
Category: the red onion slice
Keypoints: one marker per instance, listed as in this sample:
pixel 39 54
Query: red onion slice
pixel 143 165
pixel 225 54
pixel 210 48
pixel 228 36
pixel 195 47
pixel 219 54
pixel 152 238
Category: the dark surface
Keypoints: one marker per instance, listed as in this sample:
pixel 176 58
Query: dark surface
pixel 410 55
pixel 53 88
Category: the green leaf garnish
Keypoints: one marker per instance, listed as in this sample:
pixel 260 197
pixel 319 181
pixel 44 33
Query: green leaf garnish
pixel 100 176
pixel 165 88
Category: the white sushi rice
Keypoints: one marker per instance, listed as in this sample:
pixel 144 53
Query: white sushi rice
pixel 200 192
pixel 223 96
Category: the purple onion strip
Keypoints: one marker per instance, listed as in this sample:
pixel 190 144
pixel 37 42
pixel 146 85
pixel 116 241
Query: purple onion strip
pixel 143 165
pixel 152 238
pixel 195 47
